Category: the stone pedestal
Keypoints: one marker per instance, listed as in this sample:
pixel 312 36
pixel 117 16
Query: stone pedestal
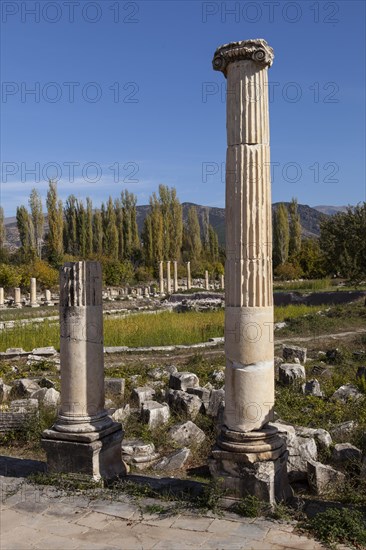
pixel 189 280
pixel 249 455
pixel 33 293
pixel 84 438
pixel 168 279
pixel 175 280
pixel 161 278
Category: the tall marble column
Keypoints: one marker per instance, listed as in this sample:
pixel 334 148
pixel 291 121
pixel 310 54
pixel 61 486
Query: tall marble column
pixel 250 456
pixel 33 293
pixel 2 297
pixel 84 438
pixel 207 284
pixel 161 277
pixel 168 279
pixel 175 279
pixel 189 280
pixel 222 282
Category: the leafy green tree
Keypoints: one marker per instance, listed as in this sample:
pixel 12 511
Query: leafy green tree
pixel 281 235
pixel 176 235
pixel 81 229
pixel 311 260
pixel 55 226
pixel 294 230
pixel 343 243
pixel 130 229
pixel 213 241
pixel 10 276
pixel 36 211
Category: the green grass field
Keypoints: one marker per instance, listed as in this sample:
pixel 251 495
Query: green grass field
pixel 166 328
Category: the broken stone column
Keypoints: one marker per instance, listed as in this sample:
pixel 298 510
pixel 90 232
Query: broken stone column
pixel 168 279
pixel 17 298
pixel 189 280
pixel 222 282
pixel 161 278
pixel 175 280
pixel 249 456
pixel 48 296
pixel 84 438
pixel 207 284
pixel 2 297
pixel 33 293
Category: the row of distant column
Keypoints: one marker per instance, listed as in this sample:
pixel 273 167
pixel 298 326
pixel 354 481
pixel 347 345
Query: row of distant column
pixel 175 278
pixel 33 296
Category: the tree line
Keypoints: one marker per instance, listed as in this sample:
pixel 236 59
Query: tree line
pixel 77 230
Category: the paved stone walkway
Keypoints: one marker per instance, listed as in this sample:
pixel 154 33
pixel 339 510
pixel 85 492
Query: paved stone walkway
pixel 35 517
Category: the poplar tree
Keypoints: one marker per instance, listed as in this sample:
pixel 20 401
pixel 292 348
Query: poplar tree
pixel 81 228
pixel 280 235
pixel 111 234
pixel 2 230
pixel 119 222
pixel 71 243
pixel 213 244
pixel 97 233
pixel 55 225
pixel 193 235
pixel 35 205
pixel 294 229
pixel 164 200
pixel 26 233
pixel 89 228
pixel 147 241
pixel 176 226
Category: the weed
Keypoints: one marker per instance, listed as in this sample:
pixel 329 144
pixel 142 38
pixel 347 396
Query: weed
pixel 339 526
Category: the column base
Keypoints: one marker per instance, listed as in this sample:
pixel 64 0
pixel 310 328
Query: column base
pixel 96 454
pixel 251 463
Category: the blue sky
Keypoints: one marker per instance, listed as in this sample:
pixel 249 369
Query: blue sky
pixel 125 97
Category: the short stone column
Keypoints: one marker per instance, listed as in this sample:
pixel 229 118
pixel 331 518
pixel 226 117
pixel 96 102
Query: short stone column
pixel 2 297
pixel 17 298
pixel 161 277
pixel 84 438
pixel 250 457
pixel 168 278
pixel 207 283
pixel 175 278
pixel 222 282
pixel 189 280
pixel 48 298
pixel 146 292
pixel 33 293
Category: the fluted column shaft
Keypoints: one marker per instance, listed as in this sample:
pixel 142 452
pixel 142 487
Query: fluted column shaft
pixel 249 378
pixel 189 280
pixel 81 349
pixel 33 291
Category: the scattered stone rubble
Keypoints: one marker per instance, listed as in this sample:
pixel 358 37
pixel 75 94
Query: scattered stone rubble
pixel 169 390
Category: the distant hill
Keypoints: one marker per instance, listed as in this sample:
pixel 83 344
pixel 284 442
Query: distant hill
pixel 310 218
pixel 330 210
